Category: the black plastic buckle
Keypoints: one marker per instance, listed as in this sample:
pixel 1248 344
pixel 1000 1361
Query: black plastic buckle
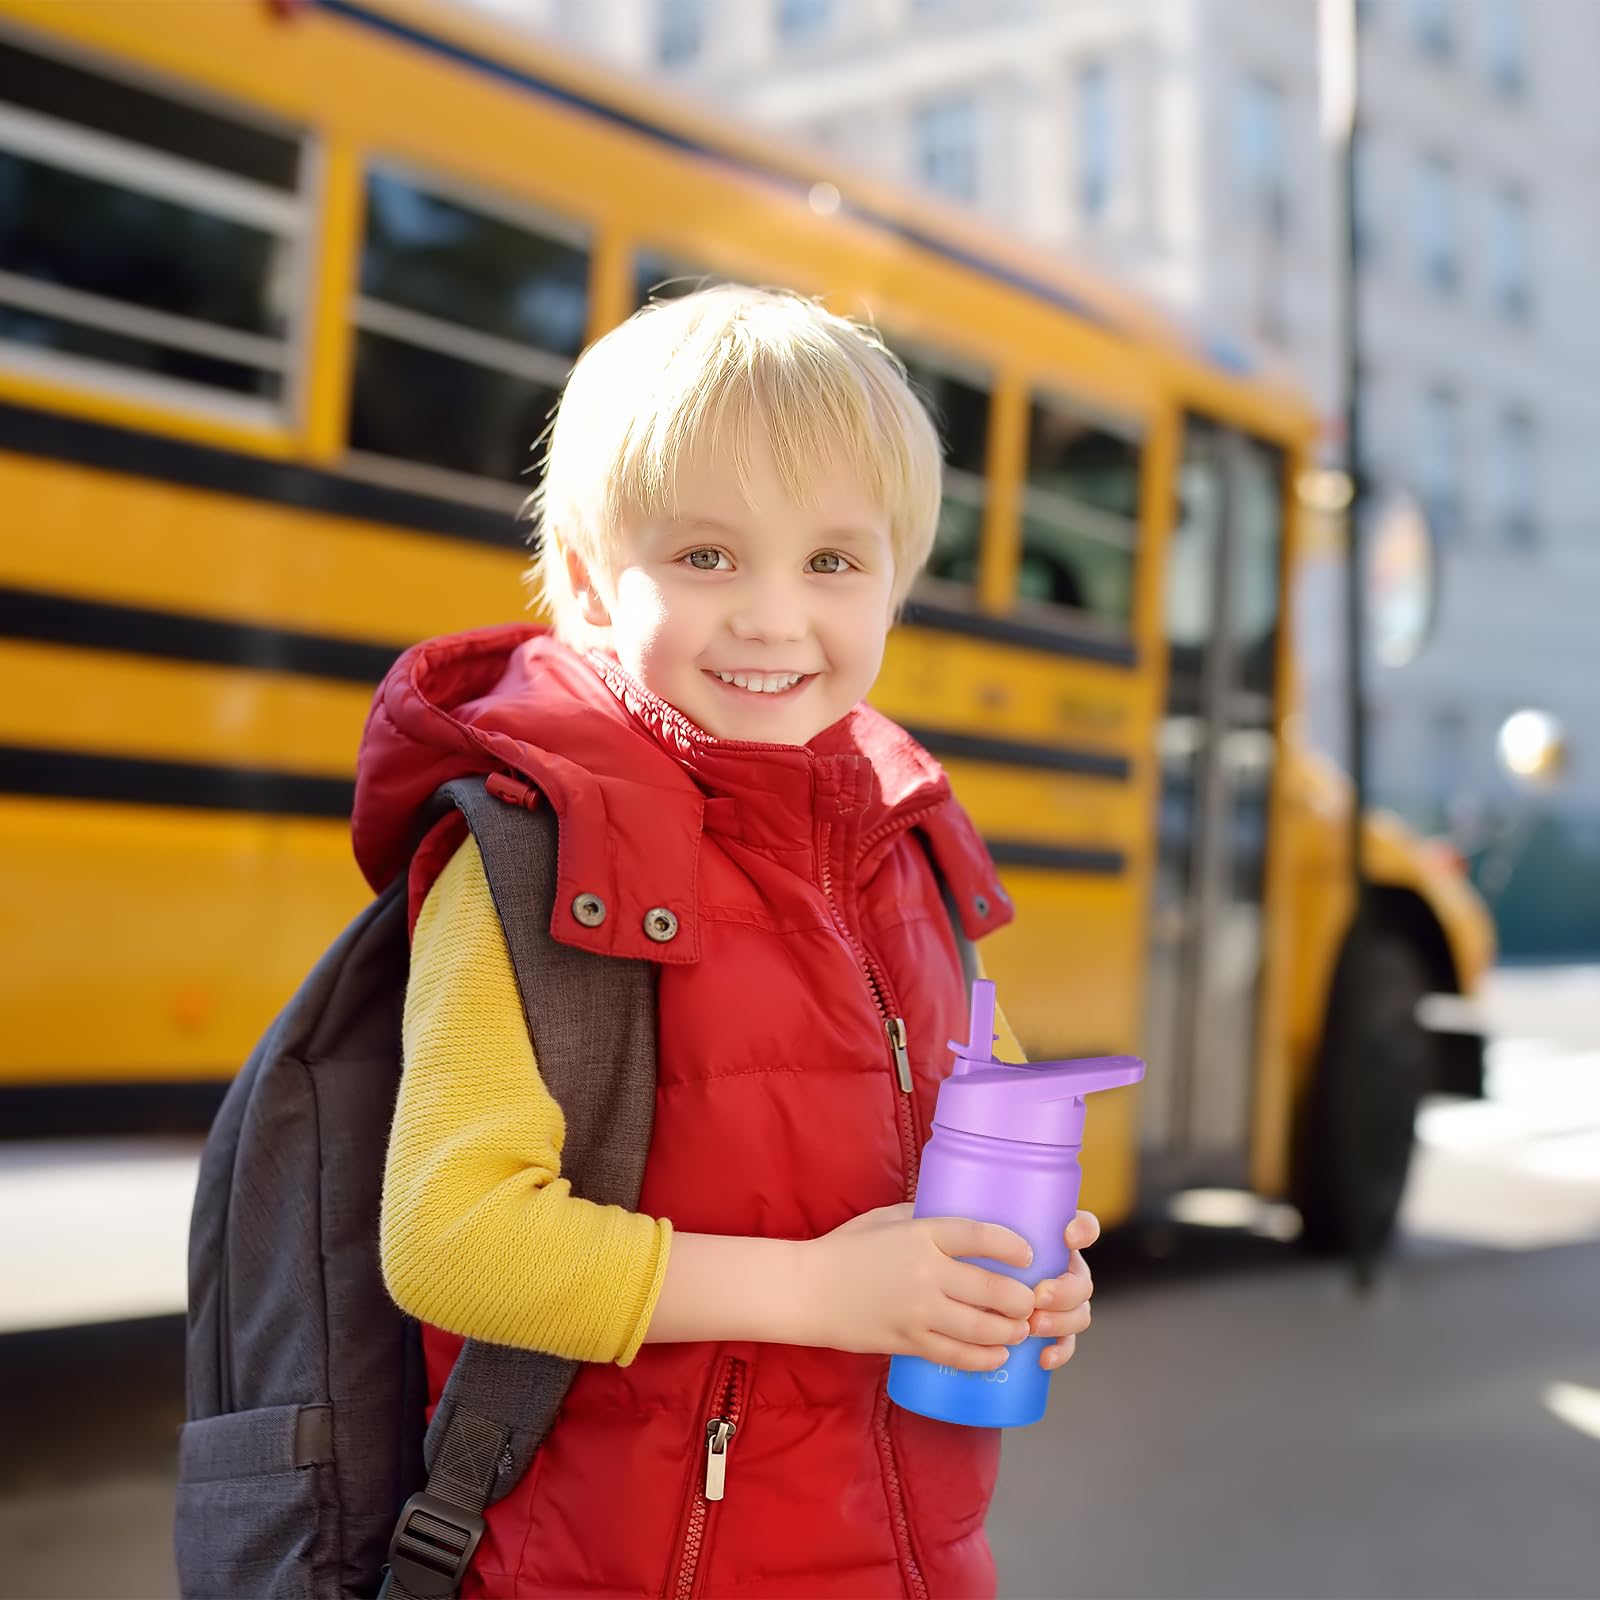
pixel 432 1545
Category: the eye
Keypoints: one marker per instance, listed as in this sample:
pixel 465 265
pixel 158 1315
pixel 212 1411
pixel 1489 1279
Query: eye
pixel 704 559
pixel 839 564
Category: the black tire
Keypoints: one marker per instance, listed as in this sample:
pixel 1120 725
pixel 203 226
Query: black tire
pixel 1357 1127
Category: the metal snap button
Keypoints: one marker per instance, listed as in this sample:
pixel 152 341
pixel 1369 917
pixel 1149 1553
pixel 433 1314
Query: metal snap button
pixel 980 904
pixel 660 924
pixel 589 909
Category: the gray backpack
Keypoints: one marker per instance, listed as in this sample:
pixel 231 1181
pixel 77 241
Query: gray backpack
pixel 306 1389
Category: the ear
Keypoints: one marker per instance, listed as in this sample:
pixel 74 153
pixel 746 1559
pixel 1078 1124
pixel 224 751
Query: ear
pixel 591 603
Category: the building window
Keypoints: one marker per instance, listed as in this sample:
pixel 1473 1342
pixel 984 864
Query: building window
pixel 145 241
pixel 1437 262
pixel 1438 462
pixel 946 135
pixel 468 321
pixel 1505 44
pixel 1080 515
pixel 680 31
pixel 1513 489
pixel 1094 141
pixel 1433 27
pixel 1508 255
pixel 1261 155
pixel 959 406
pixel 803 19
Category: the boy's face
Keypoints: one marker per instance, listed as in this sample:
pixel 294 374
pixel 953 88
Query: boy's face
pixel 796 601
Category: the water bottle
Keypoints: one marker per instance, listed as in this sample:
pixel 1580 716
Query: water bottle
pixel 1004 1149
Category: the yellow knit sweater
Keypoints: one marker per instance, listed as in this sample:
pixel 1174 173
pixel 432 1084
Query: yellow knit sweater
pixel 479 1232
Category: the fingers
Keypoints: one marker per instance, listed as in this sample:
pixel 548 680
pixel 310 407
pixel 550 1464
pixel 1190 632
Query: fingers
pixel 1068 1291
pixel 946 1352
pixel 1083 1230
pixel 973 1325
pixel 1059 1324
pixel 1058 1355
pixel 991 1291
pixel 988 1241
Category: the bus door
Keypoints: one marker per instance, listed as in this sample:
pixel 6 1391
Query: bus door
pixel 1216 749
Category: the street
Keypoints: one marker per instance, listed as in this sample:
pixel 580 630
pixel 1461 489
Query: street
pixel 1236 1423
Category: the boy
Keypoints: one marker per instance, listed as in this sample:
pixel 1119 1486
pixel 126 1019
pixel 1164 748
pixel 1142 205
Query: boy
pixel 740 490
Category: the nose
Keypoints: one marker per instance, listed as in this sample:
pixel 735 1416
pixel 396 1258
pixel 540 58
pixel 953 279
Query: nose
pixel 770 611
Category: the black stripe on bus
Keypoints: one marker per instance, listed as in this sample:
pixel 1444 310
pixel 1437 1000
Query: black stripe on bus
pixel 1019 753
pixel 173 636
pixel 70 775
pixel 113 448
pixel 56 1107
pixel 1057 857
pixel 1024 635
pixel 520 78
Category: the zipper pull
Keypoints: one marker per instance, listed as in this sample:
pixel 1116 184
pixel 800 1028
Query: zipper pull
pixel 718 1432
pixel 895 1027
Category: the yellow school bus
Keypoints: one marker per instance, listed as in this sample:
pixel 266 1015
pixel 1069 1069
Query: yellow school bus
pixel 287 291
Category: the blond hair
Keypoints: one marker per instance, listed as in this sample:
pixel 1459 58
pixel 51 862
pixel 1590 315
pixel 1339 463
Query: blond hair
pixel 724 367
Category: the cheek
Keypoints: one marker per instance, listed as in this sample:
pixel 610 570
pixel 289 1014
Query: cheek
pixel 856 634
pixel 655 631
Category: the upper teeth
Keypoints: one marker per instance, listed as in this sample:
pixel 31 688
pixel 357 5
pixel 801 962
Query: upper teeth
pixel 759 683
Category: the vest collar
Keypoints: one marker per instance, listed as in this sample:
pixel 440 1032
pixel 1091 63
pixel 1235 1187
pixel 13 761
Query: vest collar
pixel 635 784
pixel 772 796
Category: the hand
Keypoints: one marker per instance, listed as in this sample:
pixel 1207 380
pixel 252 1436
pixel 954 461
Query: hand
pixel 1063 1303
pixel 888 1283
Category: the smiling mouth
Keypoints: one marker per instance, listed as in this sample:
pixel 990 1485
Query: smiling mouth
pixel 763 683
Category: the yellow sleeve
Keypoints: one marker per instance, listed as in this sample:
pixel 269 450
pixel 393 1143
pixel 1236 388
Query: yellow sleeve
pixel 1006 1046
pixel 479 1232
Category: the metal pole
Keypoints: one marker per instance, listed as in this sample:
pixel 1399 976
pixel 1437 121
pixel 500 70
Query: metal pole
pixel 1341 65
pixel 1364 1255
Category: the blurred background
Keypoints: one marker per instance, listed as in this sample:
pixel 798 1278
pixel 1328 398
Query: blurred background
pixel 1258 638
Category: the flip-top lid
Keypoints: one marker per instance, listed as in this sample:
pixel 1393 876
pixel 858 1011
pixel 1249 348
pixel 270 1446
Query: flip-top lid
pixel 1038 1102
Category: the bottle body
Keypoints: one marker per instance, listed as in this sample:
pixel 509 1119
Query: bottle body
pixel 1031 1189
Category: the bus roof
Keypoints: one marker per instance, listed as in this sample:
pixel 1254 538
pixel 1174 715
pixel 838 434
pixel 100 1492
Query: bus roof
pixel 485 42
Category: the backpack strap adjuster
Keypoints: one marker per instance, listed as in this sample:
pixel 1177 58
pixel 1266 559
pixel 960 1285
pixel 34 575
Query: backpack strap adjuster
pixel 433 1543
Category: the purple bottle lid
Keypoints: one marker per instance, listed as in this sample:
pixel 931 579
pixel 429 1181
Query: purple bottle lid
pixel 1037 1102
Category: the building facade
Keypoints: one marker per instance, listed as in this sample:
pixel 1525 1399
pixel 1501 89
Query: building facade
pixel 1177 144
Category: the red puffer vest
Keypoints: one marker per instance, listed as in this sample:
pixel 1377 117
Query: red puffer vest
pixel 807 919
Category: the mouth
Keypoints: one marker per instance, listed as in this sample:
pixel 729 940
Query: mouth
pixel 762 685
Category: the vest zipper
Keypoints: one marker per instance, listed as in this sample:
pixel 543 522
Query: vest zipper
pixel 894 1027
pixel 895 1030
pixel 712 1484
pixel 916 1585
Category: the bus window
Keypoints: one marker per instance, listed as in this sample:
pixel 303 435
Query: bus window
pixel 1080 511
pixel 960 409
pixel 468 322
pixel 140 234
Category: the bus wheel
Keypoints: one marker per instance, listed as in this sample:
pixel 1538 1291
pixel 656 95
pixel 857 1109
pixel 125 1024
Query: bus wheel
pixel 1358 1125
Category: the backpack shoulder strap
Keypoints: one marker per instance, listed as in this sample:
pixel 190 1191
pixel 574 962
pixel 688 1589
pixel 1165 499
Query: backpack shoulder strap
pixel 592 1022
